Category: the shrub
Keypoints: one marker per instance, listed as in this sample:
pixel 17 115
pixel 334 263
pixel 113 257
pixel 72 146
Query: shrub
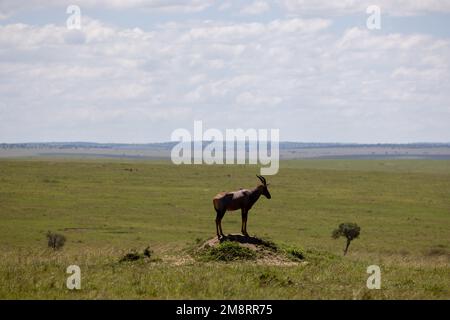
pixel 296 253
pixel 147 252
pixel 55 240
pixel 133 255
pixel 348 230
pixel 130 256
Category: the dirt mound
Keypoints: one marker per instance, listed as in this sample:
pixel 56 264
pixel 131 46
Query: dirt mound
pixel 236 247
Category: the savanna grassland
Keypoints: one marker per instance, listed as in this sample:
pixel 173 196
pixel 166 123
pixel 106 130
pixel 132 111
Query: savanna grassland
pixel 107 208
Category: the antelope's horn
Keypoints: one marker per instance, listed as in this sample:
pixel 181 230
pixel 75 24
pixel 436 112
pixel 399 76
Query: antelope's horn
pixel 263 180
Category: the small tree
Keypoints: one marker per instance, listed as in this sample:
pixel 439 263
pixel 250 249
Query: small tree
pixel 348 230
pixel 55 240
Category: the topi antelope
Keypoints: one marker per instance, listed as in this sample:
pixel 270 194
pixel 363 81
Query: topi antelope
pixel 243 199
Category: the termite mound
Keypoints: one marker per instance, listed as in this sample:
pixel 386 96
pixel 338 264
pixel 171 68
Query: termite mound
pixel 236 247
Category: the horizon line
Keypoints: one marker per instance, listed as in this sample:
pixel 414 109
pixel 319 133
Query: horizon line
pixel 166 142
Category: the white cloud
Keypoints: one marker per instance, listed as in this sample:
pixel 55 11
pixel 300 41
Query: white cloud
pixel 392 7
pixel 224 5
pixel 8 7
pixel 128 84
pixel 259 100
pixel 236 31
pixel 255 8
pixel 299 25
pixel 322 8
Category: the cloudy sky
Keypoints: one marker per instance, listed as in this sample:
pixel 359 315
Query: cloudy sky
pixel 139 69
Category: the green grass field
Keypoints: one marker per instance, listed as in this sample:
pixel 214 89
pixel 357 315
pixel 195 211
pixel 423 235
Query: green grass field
pixel 105 210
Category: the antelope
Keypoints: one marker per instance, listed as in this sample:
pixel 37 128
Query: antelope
pixel 243 199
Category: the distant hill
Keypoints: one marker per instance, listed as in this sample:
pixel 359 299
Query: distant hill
pixel 288 150
pixel 170 145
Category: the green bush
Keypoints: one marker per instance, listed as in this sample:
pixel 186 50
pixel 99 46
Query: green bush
pixel 295 253
pixel 133 255
pixel 55 240
pixel 130 256
pixel 148 252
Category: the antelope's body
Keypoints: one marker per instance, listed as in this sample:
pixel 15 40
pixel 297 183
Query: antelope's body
pixel 243 199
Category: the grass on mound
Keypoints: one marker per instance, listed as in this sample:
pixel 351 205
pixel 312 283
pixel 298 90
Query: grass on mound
pixel 227 251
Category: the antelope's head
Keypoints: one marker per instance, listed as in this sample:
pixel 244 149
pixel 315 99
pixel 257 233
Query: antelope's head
pixel 264 186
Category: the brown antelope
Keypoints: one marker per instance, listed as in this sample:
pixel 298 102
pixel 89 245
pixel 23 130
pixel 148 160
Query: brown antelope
pixel 243 199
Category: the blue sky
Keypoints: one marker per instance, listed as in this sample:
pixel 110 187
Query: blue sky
pixel 137 70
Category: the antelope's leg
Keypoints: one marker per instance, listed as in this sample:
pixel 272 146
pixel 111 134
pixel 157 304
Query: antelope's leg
pixel 217 228
pixel 220 227
pixel 245 225
pixel 219 223
pixel 244 222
